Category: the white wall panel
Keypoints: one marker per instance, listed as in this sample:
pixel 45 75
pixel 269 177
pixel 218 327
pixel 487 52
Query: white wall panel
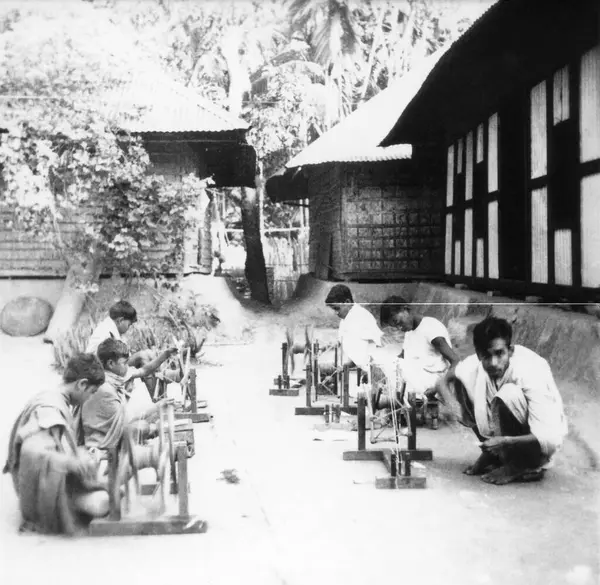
pixel 539 235
pixel 589 107
pixel 493 259
pixel 590 231
pixel 539 139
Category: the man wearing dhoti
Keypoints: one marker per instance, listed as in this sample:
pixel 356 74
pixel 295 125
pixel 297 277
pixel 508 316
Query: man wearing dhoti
pixel 55 479
pixel 506 393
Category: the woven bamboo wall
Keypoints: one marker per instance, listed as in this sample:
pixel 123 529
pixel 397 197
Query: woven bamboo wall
pixel 286 259
pixel 325 211
pixel 391 231
pixel 382 225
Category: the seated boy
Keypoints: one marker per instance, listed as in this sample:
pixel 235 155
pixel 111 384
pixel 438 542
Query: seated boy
pixel 56 481
pixel 105 415
pixel 121 316
pixel 506 393
pixel 427 352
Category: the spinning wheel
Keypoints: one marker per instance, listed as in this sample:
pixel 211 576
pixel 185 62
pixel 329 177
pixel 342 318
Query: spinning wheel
pixel 338 373
pixel 289 350
pixel 169 460
pixel 180 376
pixel 383 404
pixel 387 407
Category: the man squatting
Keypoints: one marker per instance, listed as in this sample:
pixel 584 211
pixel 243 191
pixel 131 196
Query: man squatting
pixel 506 393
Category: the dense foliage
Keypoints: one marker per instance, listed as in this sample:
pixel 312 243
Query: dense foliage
pixel 66 156
pixel 292 68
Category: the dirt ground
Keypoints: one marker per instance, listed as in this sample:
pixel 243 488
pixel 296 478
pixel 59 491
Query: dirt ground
pixel 299 513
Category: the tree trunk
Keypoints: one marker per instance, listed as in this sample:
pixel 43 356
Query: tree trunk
pixel 81 275
pixel 205 249
pixel 255 269
pixel 239 82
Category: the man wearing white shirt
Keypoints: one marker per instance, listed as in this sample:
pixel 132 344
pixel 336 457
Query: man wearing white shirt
pixel 359 333
pixel 427 352
pixel 507 394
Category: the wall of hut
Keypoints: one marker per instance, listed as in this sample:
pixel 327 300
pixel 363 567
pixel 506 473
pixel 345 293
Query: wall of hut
pixel 374 221
pixel 22 256
pixel 523 188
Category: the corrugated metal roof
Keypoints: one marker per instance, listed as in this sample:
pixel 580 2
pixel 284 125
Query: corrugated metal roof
pixel 158 104
pixel 166 106
pixel 356 138
pixel 508 49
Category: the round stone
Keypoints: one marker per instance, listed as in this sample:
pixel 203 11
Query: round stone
pixel 25 316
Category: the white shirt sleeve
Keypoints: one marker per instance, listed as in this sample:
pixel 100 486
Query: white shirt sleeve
pixel 434 329
pixel 103 330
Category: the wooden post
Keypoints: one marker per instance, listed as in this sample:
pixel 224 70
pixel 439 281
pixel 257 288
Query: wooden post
pixel 113 494
pixel 393 464
pixel 407 464
pixel 308 383
pixel 346 387
pixel 336 379
pixel 171 432
pixel 316 373
pixel 182 480
pixel 192 387
pixel 412 437
pixel 362 420
pixel 284 364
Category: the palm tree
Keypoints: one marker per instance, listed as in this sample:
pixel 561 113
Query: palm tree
pixel 330 29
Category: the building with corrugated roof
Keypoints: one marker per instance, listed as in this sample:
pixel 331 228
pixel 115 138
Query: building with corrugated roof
pixel 183 133
pixel 373 214
pixel 513 112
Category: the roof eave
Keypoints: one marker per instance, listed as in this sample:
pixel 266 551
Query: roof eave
pixel 493 58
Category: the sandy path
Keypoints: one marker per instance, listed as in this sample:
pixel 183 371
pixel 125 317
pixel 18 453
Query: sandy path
pixel 301 515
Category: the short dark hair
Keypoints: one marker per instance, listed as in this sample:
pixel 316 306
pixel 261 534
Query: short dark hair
pixel 123 309
pixel 84 366
pixel 489 329
pixel 112 349
pixel 339 294
pixel 391 306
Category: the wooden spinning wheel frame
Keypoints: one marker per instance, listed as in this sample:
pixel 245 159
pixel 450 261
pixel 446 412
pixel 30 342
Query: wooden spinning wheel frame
pixel 169 459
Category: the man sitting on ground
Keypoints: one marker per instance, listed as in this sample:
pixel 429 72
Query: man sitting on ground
pixel 427 352
pixel 105 414
pixel 56 481
pixel 508 396
pixel 359 333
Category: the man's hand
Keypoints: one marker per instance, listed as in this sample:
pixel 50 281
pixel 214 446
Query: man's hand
pixel 171 351
pixel 164 402
pixel 84 466
pixel 494 445
pixel 431 392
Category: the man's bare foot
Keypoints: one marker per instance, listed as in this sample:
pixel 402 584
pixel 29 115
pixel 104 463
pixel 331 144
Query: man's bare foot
pixel 508 474
pixel 485 463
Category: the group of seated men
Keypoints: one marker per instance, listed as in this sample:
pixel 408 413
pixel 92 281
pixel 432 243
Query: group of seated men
pixel 504 392
pixel 58 444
